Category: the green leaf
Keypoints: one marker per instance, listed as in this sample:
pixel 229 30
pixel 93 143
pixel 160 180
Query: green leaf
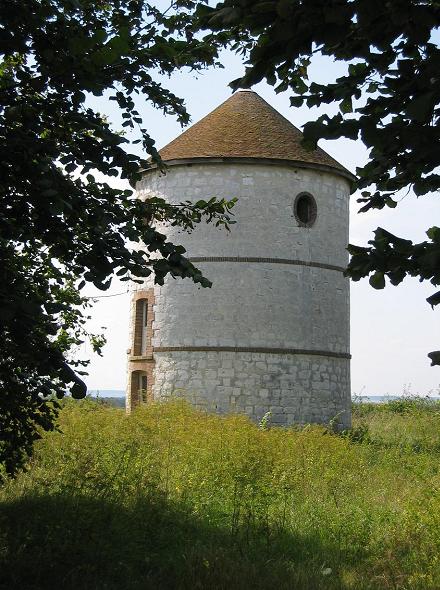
pixel 377 280
pixel 71 167
pixel 434 300
pixel 346 105
pixel 100 36
pixel 433 234
pixel 296 101
pixel 435 357
pixel 119 44
pixel 421 108
pixel 78 390
pixel 390 202
pixel 105 56
pixel 53 308
pixel 300 85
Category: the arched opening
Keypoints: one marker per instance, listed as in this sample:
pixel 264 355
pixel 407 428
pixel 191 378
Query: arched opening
pixel 140 327
pixel 305 209
pixel 139 386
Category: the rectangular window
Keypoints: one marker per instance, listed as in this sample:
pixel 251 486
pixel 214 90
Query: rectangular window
pixel 144 326
pixel 140 328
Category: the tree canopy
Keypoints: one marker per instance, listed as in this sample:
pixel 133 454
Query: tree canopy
pixel 60 227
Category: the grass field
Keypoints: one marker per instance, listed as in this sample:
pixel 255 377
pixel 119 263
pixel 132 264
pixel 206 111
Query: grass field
pixel 174 498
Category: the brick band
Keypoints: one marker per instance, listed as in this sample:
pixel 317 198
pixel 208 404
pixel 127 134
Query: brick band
pixel 328 353
pixel 267 261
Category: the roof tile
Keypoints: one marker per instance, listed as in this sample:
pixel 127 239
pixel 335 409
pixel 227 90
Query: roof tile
pixel 245 126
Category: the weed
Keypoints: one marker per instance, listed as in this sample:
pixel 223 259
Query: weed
pixel 171 497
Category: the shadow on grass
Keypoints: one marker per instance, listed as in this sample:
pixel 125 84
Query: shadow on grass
pixel 50 542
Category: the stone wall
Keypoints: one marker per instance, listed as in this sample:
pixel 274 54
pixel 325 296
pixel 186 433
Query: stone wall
pixel 279 304
pixel 295 388
pixel 266 223
pixel 255 304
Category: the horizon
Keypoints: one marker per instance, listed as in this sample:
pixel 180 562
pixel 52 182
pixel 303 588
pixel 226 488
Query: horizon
pixel 405 395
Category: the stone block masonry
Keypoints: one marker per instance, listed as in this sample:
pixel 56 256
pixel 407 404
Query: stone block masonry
pixel 272 334
pixel 295 388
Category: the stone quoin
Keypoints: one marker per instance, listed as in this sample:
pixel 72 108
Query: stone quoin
pixel 272 334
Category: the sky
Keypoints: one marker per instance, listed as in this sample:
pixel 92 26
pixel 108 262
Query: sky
pixel 391 330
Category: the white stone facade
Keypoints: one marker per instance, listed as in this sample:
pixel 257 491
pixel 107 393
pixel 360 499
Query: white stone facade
pixel 272 334
pixel 295 389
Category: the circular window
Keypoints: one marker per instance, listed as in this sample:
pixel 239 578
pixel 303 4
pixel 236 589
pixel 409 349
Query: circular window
pixel 305 209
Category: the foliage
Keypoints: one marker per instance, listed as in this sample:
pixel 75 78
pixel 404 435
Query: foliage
pixel 389 97
pixel 408 423
pixel 60 227
pixel 170 497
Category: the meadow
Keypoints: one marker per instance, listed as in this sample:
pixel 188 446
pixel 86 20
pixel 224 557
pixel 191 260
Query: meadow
pixel 173 498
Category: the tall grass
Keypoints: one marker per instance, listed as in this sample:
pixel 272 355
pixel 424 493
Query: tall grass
pixel 175 498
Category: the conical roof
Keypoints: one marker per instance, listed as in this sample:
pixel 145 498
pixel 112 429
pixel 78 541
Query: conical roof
pixel 245 126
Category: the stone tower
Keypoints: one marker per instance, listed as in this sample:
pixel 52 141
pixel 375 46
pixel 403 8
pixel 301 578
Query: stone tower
pixel 272 334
